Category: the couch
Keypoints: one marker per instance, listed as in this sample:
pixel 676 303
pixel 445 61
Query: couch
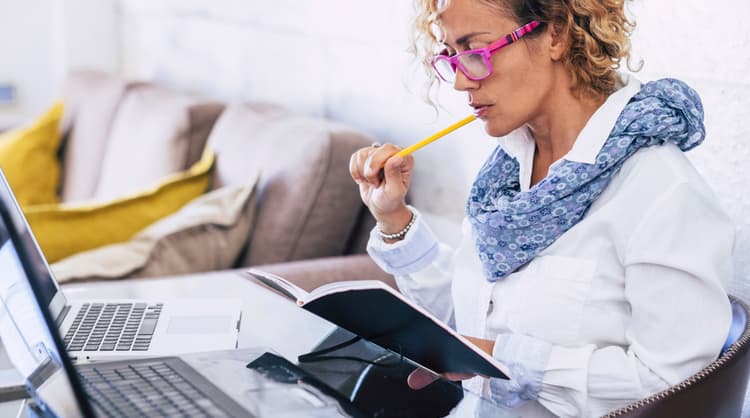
pixel 309 224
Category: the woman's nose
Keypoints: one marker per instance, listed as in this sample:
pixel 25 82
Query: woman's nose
pixel 464 83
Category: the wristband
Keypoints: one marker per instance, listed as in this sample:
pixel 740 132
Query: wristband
pixel 402 233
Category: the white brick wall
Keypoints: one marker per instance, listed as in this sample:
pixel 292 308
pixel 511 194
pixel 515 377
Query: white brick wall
pixel 41 40
pixel 707 44
pixel 30 58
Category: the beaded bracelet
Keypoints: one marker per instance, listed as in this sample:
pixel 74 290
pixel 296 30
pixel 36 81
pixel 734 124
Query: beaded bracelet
pixel 400 234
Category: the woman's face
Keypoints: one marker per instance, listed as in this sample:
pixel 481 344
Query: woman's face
pixel 522 78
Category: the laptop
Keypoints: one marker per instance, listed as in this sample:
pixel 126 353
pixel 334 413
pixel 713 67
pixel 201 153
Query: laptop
pixel 112 329
pixel 146 387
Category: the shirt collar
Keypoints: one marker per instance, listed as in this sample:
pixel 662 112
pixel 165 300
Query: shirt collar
pixel 591 139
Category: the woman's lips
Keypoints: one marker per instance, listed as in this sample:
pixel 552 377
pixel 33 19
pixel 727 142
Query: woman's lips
pixel 479 111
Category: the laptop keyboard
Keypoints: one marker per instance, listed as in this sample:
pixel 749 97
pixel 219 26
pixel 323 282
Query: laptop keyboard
pixel 145 390
pixel 113 327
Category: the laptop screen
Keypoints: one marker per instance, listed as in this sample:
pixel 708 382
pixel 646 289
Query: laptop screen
pixel 28 332
pixel 50 294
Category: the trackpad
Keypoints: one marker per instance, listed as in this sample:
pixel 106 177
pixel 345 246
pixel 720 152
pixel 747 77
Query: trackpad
pixel 199 325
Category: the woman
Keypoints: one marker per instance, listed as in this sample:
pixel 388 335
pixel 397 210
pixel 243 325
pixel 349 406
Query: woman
pixel 594 258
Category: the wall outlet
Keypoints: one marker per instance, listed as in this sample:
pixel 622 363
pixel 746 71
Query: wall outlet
pixel 7 94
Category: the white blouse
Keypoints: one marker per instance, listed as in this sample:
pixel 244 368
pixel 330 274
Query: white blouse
pixel 629 301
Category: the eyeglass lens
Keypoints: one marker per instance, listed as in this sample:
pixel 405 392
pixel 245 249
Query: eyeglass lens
pixel 474 67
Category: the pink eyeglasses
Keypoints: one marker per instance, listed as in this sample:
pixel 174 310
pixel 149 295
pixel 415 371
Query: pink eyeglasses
pixel 475 63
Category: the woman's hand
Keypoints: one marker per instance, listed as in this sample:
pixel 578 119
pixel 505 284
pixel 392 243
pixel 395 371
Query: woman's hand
pixel 420 377
pixel 383 181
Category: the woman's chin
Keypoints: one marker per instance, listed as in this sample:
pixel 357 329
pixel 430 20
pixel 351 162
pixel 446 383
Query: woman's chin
pixel 497 129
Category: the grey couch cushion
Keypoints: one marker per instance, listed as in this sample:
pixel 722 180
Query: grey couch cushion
pixel 156 132
pixel 307 203
pixel 91 100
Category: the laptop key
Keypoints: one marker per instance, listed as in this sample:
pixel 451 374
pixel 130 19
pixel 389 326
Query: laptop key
pixel 147 327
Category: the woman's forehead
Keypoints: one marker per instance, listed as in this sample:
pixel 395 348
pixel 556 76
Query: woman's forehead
pixel 469 12
pixel 461 17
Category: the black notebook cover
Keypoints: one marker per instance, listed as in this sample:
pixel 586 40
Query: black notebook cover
pixel 379 316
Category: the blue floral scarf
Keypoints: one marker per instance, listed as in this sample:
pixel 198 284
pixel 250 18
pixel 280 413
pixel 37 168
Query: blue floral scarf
pixel 511 227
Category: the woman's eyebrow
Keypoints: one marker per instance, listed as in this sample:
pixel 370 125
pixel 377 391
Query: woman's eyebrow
pixel 464 40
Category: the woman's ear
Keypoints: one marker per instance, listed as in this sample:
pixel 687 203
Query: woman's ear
pixel 558 45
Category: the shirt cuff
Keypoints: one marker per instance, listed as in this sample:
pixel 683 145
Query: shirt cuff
pixel 526 358
pixel 566 380
pixel 417 250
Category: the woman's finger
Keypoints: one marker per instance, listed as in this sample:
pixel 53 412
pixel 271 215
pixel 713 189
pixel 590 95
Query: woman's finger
pixel 376 160
pixel 357 164
pixel 420 378
pixel 354 167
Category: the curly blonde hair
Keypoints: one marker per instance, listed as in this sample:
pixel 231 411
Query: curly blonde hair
pixel 597 34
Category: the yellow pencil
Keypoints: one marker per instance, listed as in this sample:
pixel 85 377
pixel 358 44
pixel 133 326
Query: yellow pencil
pixel 411 148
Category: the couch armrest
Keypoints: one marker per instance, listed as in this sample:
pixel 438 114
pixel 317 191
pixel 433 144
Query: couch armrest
pixel 313 273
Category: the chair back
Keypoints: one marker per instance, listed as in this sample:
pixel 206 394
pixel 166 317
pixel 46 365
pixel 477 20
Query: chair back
pixel 716 391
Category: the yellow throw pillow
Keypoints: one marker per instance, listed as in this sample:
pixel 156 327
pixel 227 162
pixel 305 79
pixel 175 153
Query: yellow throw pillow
pixel 64 229
pixel 207 234
pixel 28 156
